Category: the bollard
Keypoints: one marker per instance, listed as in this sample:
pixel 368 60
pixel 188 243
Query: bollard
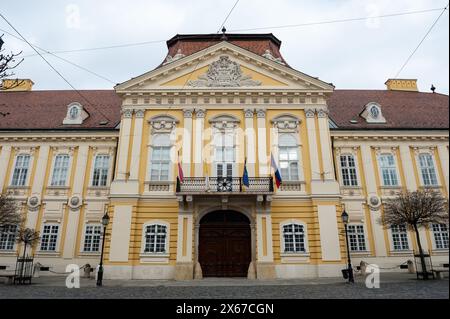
pixel 411 268
pixel 87 271
pixel 96 272
pixel 37 270
pixel 363 267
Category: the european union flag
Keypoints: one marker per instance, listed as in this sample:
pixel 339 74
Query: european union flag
pixel 245 179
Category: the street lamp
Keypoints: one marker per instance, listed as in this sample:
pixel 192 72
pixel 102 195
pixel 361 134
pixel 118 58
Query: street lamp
pixel 344 217
pixel 105 222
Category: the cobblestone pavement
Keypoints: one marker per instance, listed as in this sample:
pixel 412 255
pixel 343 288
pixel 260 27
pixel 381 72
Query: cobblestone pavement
pixel 393 286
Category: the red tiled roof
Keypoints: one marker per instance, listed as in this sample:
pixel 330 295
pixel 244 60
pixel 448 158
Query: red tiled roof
pixel 256 43
pixel 402 110
pixel 46 110
pixel 36 110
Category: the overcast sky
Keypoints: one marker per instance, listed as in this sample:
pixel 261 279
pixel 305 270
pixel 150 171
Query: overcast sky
pixel 352 55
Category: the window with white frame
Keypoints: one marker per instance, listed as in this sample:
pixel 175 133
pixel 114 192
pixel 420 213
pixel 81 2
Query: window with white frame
pixel 357 237
pixel 440 233
pixel 400 237
pixel 21 170
pixel 92 238
pixel 49 237
pixel 160 162
pixel 60 170
pixel 348 170
pixel 294 238
pixel 8 234
pixel 388 169
pixel 155 239
pixel 101 168
pixel 288 157
pixel 224 152
pixel 428 170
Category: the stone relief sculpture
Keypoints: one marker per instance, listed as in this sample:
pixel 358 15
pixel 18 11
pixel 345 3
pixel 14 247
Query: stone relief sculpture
pixel 176 57
pixel 268 55
pixel 224 73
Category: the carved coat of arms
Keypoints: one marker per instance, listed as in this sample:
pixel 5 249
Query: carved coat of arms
pixel 224 73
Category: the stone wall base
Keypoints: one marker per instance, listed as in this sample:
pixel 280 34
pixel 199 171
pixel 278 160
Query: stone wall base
pixel 184 271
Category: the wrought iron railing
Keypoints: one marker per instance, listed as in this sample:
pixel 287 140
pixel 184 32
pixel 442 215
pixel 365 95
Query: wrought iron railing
pixel 257 185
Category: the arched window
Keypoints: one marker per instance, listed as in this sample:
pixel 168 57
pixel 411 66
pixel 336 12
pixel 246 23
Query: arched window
pixel 155 239
pixel 294 238
pixel 288 157
pixel 160 160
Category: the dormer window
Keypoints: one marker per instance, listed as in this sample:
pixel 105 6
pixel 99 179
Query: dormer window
pixel 372 114
pixel 75 114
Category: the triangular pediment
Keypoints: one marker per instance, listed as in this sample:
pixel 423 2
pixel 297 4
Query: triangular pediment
pixel 221 67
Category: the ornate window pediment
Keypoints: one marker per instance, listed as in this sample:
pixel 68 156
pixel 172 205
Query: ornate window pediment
pixel 163 123
pixel 224 122
pixel 286 123
pixel 224 73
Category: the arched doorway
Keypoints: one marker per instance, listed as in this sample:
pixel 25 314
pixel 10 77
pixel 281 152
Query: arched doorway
pixel 224 244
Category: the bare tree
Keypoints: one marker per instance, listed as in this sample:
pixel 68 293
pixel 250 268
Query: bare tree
pixel 8 62
pixel 415 210
pixel 9 212
pixel 28 237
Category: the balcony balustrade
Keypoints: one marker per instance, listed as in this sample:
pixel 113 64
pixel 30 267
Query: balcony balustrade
pixel 228 185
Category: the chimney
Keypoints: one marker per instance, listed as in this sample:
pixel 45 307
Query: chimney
pixel 409 85
pixel 17 85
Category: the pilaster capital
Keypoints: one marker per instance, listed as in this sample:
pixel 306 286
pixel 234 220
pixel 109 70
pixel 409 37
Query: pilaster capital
pixel 261 113
pixel 249 113
pixel 188 113
pixel 322 113
pixel 139 114
pixel 200 113
pixel 310 112
pixel 127 113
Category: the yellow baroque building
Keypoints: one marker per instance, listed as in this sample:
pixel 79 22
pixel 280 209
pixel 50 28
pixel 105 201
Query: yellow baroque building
pixel 217 104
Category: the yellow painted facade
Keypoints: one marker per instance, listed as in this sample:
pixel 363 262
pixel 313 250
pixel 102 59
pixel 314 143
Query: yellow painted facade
pixel 158 227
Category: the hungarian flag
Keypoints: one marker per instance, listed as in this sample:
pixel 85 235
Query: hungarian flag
pixel 180 169
pixel 245 179
pixel 277 173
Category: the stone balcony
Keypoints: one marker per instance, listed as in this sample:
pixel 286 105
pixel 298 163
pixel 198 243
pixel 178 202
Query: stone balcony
pixel 225 186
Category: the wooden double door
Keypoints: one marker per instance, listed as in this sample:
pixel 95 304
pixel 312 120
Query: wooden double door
pixel 225 245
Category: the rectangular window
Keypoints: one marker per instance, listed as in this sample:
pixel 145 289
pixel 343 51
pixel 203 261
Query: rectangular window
pixel 160 163
pixel 60 170
pixel 440 232
pixel 348 168
pixel 427 170
pixel 288 157
pixel 49 237
pixel 400 237
pixel 8 235
pixel 388 170
pixel 21 170
pixel 155 239
pixel 92 238
pixel 294 238
pixel 101 167
pixel 357 239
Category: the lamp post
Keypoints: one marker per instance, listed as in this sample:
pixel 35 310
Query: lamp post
pixel 344 217
pixel 105 222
